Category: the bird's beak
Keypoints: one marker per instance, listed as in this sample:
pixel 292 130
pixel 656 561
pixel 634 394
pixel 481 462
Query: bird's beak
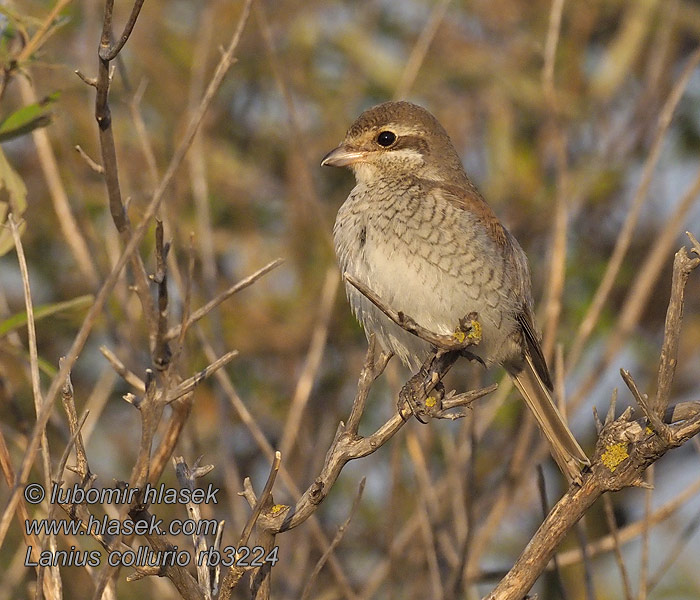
pixel 342 156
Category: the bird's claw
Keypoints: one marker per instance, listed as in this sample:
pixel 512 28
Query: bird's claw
pixel 422 405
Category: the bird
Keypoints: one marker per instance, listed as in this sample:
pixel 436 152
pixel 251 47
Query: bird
pixel 416 231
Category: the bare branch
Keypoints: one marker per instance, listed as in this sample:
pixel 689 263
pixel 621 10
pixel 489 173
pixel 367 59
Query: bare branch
pixel 614 531
pixel 420 49
pixel 90 163
pixel 129 376
pixel 312 363
pixel 557 263
pixel 682 267
pixel 624 450
pixel 223 296
pixel 109 51
pixel 191 383
pixel 370 372
pixel 224 64
pixel 348 445
pixel 262 500
pixel 336 540
pixel 82 466
pixel 186 477
pixel 186 585
pixel 91 81
pixel 235 572
pixel 624 240
pixel 62 205
pixel 161 350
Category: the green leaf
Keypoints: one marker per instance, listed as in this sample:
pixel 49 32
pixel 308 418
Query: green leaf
pixel 45 366
pixel 20 319
pixel 13 199
pixel 27 118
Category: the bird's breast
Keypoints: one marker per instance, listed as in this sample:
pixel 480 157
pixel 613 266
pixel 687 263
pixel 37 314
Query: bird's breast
pixel 425 258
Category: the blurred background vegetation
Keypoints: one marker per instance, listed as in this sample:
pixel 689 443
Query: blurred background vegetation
pixel 252 191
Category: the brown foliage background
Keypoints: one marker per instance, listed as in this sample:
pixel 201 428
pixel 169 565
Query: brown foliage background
pixel 251 190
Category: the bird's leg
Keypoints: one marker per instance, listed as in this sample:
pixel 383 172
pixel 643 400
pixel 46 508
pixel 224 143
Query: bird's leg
pixel 409 394
pixel 416 392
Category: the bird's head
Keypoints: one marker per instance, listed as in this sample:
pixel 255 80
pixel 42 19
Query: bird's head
pixel 397 139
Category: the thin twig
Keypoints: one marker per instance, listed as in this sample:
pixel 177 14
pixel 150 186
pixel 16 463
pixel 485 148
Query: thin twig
pixel 109 51
pixel 428 504
pixel 140 127
pixel 642 400
pixel 624 239
pixel 586 559
pixel 262 500
pixel 189 384
pixel 674 317
pixel 39 36
pixel 420 49
pixel 542 488
pixel 54 577
pixel 62 206
pixel 161 350
pixel 370 371
pixel 97 168
pixel 187 480
pixel 31 342
pixel 129 376
pixel 612 526
pixel 312 363
pixel 91 81
pixel 557 267
pixel 216 547
pixel 187 302
pixel 677 549
pixel 68 400
pixel 223 296
pixel 110 165
pixel 644 569
pixel 464 502
pixel 335 542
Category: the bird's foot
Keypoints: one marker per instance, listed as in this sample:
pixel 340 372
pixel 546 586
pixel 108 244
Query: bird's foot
pixel 415 399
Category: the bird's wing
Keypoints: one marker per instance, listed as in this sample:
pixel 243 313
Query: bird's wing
pixel 469 199
pixel 530 375
pixel 533 347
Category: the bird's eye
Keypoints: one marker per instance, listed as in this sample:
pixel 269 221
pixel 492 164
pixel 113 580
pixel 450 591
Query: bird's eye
pixel 386 138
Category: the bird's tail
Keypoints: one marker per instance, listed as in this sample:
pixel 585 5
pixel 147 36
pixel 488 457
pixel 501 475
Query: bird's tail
pixel 563 445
